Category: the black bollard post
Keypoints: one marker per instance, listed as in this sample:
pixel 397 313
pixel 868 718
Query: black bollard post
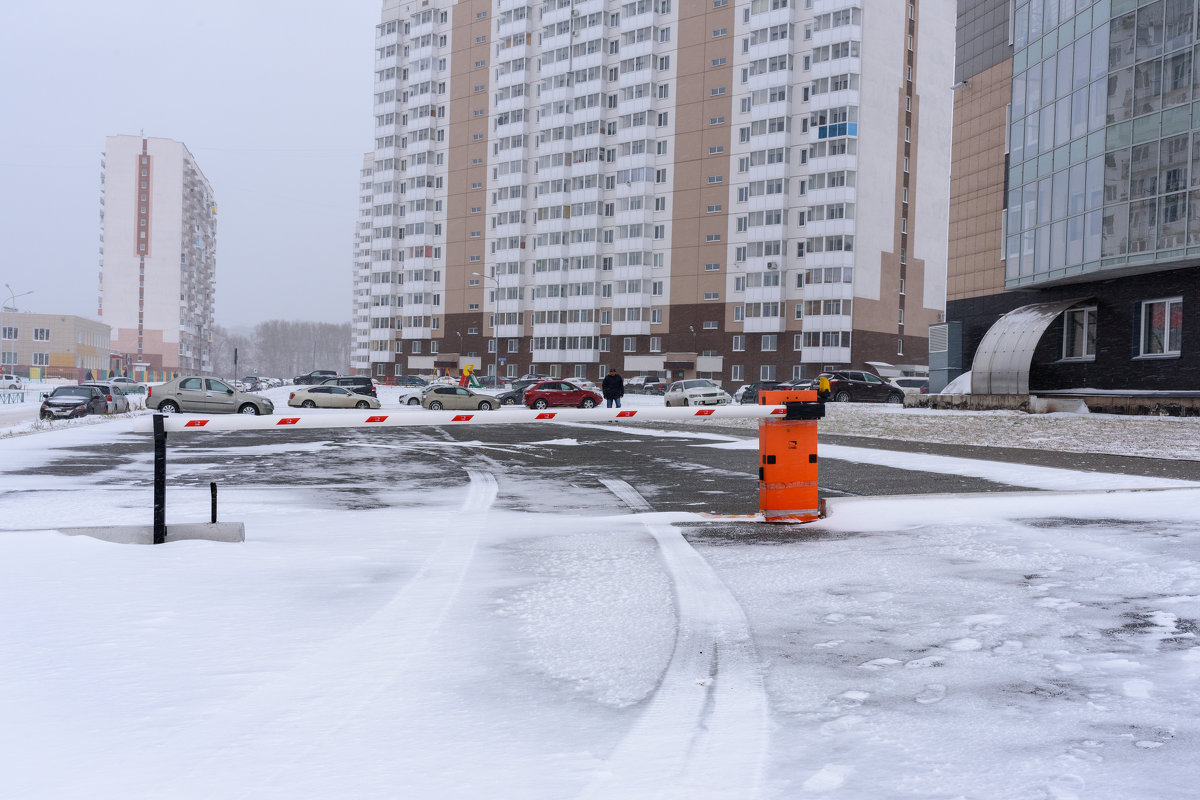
pixel 212 487
pixel 160 480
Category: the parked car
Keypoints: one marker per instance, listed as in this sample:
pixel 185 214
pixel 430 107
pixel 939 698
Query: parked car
pixel 560 393
pixel 696 392
pixel 205 395
pixel 411 396
pixel 314 377
pixel 457 398
pixel 327 396
pixel 71 402
pixel 749 392
pixel 123 379
pixel 490 382
pixel 114 396
pixel 516 393
pixel 654 387
pixel 637 384
pixel 847 386
pixel 411 380
pixel 361 384
pixel 912 385
pixel 9 381
pixel 252 383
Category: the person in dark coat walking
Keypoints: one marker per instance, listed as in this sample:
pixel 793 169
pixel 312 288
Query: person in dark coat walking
pixel 613 386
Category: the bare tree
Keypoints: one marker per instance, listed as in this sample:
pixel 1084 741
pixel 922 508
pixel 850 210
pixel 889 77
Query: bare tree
pixel 282 349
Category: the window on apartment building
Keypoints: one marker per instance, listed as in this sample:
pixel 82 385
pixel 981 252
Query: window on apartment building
pixel 766 372
pixel 8 332
pixel 655 344
pixel 1162 327
pixel 629 344
pixel 656 316
pixel 899 347
pixel 719 32
pixel 769 341
pixel 1079 333
pixel 41 359
pixel 712 295
pixel 718 62
pixel 710 325
pixel 739 343
pixel 737 373
pixel 41 334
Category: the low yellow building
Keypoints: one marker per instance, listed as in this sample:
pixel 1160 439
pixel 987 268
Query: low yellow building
pixel 53 346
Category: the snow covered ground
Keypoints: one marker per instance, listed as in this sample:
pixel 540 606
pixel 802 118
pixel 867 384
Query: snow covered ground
pixel 456 633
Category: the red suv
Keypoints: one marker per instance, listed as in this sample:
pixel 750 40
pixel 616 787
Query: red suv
pixel 560 393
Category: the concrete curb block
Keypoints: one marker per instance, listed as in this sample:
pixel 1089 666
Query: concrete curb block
pixel 144 534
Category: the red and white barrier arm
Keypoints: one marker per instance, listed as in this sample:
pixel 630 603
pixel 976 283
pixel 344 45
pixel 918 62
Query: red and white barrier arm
pixel 403 418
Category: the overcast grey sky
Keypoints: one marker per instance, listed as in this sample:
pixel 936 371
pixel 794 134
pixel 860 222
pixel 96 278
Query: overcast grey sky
pixel 273 98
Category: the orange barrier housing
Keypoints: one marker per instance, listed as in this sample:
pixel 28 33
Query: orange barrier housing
pixel 787 456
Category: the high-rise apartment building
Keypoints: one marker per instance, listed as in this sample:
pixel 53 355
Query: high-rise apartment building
pixel 1075 197
pixel 736 189
pixel 158 223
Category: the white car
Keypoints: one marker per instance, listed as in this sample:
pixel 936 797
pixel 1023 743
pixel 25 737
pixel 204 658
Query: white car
pixel 8 381
pixel 912 385
pixel 411 395
pixel 696 392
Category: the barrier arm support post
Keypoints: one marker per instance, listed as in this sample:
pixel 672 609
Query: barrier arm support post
pixel 160 480
pixel 787 456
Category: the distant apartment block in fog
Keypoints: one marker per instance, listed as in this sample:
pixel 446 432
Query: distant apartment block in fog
pixel 158 221
pixel 735 189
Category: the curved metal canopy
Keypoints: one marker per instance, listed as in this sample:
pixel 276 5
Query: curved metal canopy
pixel 1001 364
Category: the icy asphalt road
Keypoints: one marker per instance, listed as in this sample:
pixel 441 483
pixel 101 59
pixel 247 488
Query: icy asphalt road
pixel 450 614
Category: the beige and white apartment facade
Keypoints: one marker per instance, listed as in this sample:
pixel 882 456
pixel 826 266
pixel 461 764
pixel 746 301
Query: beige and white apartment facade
pixel 726 188
pixel 157 255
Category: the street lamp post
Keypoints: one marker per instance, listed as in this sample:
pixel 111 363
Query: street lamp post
pixel 11 304
pixel 495 342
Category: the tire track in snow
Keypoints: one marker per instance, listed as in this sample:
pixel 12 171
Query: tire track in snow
pixel 704 732
pixel 333 686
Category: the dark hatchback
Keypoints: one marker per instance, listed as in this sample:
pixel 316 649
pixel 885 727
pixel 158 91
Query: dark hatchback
pixel 359 384
pixel 70 402
pixel 852 386
pixel 515 396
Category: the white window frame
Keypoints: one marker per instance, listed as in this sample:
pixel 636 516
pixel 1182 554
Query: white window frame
pixel 1167 351
pixel 1088 315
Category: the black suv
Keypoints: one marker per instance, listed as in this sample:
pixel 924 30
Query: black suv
pixel 316 376
pixel 850 385
pixel 359 384
pixel 750 392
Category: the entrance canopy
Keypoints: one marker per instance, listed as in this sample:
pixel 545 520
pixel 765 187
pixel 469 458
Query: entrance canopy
pixel 1001 364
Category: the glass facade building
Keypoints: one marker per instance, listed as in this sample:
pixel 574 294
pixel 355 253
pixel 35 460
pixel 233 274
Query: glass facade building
pixel 1103 138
